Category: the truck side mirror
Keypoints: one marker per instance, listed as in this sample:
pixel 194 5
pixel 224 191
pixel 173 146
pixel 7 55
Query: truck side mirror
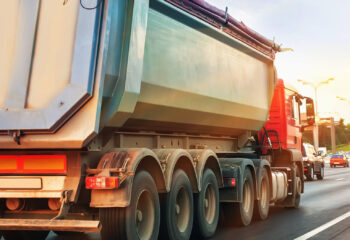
pixel 310 112
pixel 307 113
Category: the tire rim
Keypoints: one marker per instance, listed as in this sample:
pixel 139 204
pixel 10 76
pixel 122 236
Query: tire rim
pixel 298 185
pixel 247 197
pixel 209 204
pixel 263 193
pixel 182 210
pixel 145 215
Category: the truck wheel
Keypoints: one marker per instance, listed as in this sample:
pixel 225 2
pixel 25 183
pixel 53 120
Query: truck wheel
pixel 25 235
pixel 297 188
pixel 207 206
pixel 321 174
pixel 261 208
pixel 241 213
pixel 311 175
pixel 178 209
pixel 141 219
pixel 246 206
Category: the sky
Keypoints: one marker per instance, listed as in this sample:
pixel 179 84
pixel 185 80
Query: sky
pixel 318 31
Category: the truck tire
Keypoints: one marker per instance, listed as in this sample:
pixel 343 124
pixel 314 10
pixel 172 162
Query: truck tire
pixel 25 235
pixel 207 206
pixel 141 219
pixel 311 175
pixel 177 209
pixel 321 174
pixel 262 206
pixel 241 213
pixel 297 194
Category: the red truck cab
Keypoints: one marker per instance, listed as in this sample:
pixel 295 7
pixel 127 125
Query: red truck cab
pixel 284 117
pixel 285 124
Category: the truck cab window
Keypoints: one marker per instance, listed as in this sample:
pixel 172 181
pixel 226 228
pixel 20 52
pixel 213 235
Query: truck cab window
pixel 295 110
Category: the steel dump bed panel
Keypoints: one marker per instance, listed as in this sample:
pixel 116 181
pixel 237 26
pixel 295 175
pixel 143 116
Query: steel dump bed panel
pixel 136 65
pixel 48 53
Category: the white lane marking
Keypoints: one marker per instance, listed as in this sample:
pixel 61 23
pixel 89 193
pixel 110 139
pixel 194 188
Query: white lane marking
pixel 323 227
pixel 339 179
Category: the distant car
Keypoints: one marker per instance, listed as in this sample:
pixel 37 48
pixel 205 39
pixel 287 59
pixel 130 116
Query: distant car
pixel 313 164
pixel 339 160
pixel 322 151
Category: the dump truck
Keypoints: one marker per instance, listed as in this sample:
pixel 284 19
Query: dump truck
pixel 137 119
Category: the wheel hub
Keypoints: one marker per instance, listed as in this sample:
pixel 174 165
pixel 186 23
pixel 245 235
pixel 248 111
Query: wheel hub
pixel 182 210
pixel 246 197
pixel 145 215
pixel 139 216
pixel 209 204
pixel 298 185
pixel 177 209
pixel 263 193
pixel 206 203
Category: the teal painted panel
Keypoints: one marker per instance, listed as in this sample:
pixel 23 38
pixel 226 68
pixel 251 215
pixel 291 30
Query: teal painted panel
pixel 184 58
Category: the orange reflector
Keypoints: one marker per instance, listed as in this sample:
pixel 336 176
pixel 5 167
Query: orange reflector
pixel 101 182
pixel 8 162
pixel 33 164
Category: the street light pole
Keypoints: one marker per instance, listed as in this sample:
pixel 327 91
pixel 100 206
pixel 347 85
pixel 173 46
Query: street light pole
pixel 315 87
pixel 332 135
pixel 316 122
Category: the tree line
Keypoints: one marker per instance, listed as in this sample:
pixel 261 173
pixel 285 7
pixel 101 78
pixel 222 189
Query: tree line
pixel 342 134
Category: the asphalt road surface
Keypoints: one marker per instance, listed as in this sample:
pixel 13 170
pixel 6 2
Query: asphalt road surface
pixel 322 202
pixel 320 216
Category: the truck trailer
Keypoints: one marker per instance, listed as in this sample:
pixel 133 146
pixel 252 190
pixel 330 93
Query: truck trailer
pixel 139 119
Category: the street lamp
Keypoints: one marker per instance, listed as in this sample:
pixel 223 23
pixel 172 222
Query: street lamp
pixel 315 87
pixel 343 99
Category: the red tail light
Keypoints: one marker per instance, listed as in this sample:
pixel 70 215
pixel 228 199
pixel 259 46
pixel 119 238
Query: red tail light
pixel 230 182
pixel 101 182
pixel 305 169
pixel 29 164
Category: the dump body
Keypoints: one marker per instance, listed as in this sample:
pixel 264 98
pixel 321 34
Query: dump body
pixel 150 66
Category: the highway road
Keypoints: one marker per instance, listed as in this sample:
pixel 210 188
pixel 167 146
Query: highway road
pixel 322 202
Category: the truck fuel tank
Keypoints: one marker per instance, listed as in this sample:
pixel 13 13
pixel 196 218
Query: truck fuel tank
pixel 279 186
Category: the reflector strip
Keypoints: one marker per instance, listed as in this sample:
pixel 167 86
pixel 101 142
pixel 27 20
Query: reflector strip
pixel 33 164
pixel 8 163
